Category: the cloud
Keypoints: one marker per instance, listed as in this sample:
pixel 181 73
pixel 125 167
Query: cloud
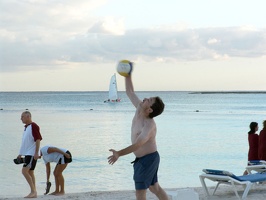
pixel 213 41
pixel 104 46
pixel 49 33
pixel 108 25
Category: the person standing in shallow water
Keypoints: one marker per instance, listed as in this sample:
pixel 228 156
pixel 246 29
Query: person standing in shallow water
pixel 262 142
pixel 143 137
pixel 253 141
pixel 30 146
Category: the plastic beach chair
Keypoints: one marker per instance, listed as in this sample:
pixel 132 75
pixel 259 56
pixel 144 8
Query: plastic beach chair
pixel 256 165
pixel 225 177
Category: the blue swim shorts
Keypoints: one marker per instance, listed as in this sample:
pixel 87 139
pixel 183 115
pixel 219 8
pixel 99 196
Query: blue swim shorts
pixel 145 170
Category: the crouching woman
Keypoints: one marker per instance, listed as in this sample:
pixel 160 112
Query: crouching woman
pixel 60 156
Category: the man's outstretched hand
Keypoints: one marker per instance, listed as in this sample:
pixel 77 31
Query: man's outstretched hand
pixel 113 158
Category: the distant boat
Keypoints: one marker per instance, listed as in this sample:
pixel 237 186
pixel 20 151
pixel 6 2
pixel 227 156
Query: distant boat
pixel 112 97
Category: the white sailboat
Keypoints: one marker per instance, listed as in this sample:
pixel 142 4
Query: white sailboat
pixel 113 97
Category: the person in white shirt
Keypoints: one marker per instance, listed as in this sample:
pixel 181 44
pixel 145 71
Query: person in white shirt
pixel 60 156
pixel 30 145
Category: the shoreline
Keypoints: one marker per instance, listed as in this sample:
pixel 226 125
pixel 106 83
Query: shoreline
pixel 224 192
pixel 229 92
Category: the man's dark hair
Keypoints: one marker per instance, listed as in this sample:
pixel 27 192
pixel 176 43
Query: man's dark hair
pixel 157 107
pixel 253 126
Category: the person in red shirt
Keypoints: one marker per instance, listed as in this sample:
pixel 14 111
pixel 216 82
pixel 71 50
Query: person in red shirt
pixel 262 142
pixel 253 141
pixel 29 149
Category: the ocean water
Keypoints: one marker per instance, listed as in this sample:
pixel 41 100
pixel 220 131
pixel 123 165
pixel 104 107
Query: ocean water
pixel 195 131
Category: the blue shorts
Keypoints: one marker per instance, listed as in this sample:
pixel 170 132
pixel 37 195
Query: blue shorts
pixel 145 170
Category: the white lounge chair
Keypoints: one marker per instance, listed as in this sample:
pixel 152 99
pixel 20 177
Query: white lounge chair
pixel 225 177
pixel 256 165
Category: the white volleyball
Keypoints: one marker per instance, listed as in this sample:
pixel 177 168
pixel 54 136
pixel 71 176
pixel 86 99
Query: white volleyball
pixel 124 68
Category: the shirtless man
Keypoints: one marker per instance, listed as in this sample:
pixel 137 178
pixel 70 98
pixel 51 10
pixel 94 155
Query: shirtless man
pixel 30 149
pixel 143 137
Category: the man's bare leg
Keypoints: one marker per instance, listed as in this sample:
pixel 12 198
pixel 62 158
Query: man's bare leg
pixel 30 178
pixel 158 191
pixel 141 194
pixel 31 173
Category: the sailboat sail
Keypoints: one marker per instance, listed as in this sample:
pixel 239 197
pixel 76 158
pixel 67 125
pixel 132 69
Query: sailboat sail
pixel 113 89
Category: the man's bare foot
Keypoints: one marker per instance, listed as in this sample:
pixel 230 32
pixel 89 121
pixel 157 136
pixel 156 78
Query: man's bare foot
pixel 60 193
pixel 31 195
pixel 54 193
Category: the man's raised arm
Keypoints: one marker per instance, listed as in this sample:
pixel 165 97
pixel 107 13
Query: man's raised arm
pixel 130 91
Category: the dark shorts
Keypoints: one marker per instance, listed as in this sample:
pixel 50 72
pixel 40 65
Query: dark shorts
pixel 66 160
pixel 145 170
pixel 30 162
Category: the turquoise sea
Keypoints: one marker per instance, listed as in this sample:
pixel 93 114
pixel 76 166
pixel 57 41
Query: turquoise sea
pixel 196 131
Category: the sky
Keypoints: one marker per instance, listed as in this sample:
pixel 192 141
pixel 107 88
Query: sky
pixel 176 45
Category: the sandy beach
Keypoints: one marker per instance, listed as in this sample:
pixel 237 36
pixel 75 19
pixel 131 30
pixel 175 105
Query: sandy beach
pixel 258 192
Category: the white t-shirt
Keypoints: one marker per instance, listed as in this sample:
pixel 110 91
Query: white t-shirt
pixel 28 144
pixel 52 157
